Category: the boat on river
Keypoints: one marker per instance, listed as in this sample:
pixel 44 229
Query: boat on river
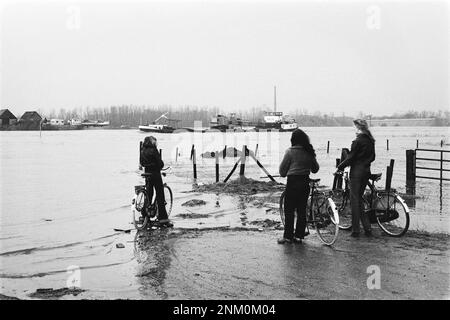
pixel 161 128
pixel 162 125
pixel 275 120
pixel 230 123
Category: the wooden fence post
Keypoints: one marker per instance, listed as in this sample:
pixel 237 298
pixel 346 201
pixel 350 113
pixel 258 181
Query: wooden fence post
pixel 328 147
pixel 140 150
pixel 391 164
pixel 192 151
pixel 262 168
pixel 232 170
pixel 344 154
pixel 217 166
pixel 243 157
pixel 389 173
pixel 410 171
pixel 194 164
pixel 337 181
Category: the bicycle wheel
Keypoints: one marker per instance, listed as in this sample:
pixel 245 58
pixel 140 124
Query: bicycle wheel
pixel 392 215
pixel 140 218
pixel 325 219
pixel 342 200
pixel 168 197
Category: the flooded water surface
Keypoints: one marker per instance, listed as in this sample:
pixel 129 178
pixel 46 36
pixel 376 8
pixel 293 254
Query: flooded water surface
pixel 62 194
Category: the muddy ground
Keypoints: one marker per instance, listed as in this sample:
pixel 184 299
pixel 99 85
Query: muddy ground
pixel 244 261
pixel 241 264
pixel 239 186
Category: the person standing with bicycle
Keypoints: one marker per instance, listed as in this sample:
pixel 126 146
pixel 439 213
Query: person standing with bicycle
pixel 299 160
pixel 151 160
pixel 361 155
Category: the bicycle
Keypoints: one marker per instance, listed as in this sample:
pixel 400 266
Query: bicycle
pixel 321 215
pixel 143 213
pixel 386 208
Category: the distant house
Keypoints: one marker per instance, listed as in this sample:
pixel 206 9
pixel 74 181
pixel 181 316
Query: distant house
pixel 30 120
pixel 75 122
pixel 7 118
pixel 57 122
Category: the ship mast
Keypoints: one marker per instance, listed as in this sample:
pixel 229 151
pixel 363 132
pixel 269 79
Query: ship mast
pixel 275 98
pixel 162 116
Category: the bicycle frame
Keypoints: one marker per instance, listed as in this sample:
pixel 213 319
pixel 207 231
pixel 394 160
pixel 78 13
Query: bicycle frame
pixel 321 213
pixel 374 192
pixel 144 207
pixel 381 207
pixel 371 185
pixel 313 192
pixel 164 174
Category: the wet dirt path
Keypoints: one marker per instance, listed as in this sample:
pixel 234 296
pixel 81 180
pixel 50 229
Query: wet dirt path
pixel 237 263
pixel 251 265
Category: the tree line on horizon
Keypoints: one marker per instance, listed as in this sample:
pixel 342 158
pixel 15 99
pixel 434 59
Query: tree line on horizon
pixel 133 116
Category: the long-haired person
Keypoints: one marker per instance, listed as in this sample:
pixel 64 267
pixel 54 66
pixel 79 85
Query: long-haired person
pixel 151 161
pixel 361 155
pixel 298 162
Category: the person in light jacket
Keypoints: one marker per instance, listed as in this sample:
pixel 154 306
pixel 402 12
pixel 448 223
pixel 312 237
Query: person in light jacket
pixel 299 160
pixel 361 155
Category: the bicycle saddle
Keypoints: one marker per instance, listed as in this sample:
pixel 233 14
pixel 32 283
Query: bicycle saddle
pixel 314 180
pixel 375 176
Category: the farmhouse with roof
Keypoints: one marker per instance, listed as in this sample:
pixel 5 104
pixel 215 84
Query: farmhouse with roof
pixel 30 120
pixel 7 119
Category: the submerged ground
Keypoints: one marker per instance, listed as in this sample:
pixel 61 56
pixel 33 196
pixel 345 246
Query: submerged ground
pixel 65 201
pixel 201 259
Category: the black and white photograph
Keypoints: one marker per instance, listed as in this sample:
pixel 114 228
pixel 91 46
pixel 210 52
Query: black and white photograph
pixel 220 157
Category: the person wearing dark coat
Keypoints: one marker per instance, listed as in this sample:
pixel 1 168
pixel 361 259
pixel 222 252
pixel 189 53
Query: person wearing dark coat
pixel 299 160
pixel 360 157
pixel 151 160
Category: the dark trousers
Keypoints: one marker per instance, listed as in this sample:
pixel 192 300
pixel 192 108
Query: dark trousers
pixel 359 176
pixel 155 181
pixel 297 192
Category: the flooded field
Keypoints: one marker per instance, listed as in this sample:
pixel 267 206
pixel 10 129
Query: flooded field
pixel 64 193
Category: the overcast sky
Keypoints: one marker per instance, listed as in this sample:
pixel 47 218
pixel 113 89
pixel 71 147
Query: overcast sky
pixel 322 56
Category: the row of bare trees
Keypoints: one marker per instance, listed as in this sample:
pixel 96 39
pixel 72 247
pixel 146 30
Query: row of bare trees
pixel 133 116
